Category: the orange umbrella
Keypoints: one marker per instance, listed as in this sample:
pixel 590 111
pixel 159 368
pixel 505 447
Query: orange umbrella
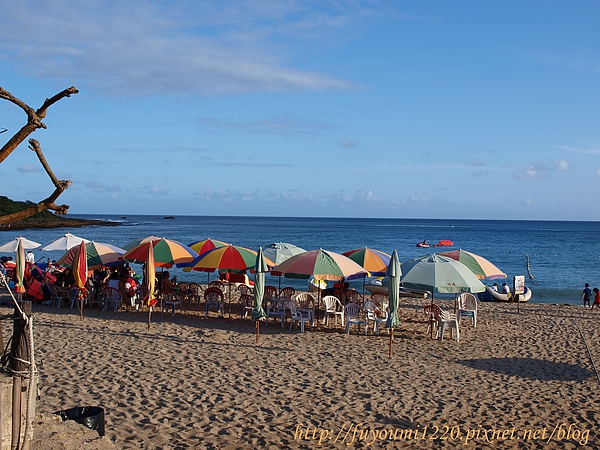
pixel 80 273
pixel 150 280
pixel 20 269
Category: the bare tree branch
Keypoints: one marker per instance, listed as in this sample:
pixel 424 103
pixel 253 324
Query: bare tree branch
pixel 34 121
pixel 34 118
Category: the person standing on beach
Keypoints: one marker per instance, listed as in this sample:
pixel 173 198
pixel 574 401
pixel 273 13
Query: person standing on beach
pixel 596 298
pixel 586 295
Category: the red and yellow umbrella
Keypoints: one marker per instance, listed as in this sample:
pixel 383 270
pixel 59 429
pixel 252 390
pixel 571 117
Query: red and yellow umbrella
pixel 229 257
pixel 80 274
pixel 206 245
pixel 150 280
pixel 20 269
pixel 375 261
pixel 166 252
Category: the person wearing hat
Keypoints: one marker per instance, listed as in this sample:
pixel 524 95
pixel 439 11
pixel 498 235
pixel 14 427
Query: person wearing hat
pixel 586 295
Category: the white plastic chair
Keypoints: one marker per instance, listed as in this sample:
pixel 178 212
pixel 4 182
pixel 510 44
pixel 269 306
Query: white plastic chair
pixel 467 307
pixel 275 308
pixel 213 296
pixel 306 303
pixel 333 307
pixel 111 296
pixel 170 301
pixel 351 316
pixel 298 315
pixel 445 320
pixel 247 304
pixel 374 314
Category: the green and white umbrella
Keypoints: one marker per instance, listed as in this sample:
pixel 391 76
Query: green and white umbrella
pixel 260 268
pixel 439 273
pixel 280 251
pixel 393 272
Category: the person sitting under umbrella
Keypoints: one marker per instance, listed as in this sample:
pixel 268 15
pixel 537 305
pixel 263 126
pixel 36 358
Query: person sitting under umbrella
pixel 340 288
pixel 167 286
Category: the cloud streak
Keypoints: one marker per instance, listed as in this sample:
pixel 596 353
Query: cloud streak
pixel 141 48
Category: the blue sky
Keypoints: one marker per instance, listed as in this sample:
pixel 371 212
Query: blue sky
pixel 432 109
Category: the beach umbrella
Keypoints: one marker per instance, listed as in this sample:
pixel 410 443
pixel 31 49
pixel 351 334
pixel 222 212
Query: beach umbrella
pixel 204 246
pixel 260 268
pixel 480 266
pixel 320 264
pixel 11 246
pixel 98 255
pixel 20 270
pixel 150 280
pixel 439 273
pixel 80 274
pixel 280 251
pixel 394 273
pixel 166 252
pixel 230 257
pixel 375 261
pixel 65 242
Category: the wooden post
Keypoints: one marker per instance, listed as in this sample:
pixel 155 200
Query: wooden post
pixel 19 352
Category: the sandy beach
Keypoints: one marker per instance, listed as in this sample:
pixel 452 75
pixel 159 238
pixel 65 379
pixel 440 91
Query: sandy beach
pixel 518 380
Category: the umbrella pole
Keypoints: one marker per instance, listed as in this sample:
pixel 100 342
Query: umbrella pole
pixel 149 313
pixel 257 330
pixel 80 309
pixel 391 340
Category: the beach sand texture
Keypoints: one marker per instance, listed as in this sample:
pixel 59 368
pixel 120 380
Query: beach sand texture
pixel 191 382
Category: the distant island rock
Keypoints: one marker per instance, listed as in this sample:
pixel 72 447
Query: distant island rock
pixel 169 217
pixel 45 219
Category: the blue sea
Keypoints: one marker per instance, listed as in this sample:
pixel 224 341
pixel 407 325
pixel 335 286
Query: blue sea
pixel 562 255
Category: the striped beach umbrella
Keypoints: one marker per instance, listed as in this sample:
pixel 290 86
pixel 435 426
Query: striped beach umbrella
pixel 229 257
pixel 480 266
pixel 206 245
pixel 320 264
pixel 375 261
pixel 167 252
pixel 98 254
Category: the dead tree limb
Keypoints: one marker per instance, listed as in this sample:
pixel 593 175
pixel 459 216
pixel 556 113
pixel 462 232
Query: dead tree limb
pixel 34 118
pixel 34 121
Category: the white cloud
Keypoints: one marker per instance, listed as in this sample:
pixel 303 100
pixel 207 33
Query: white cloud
pixel 562 166
pixel 142 48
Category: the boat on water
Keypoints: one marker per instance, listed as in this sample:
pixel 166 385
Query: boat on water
pixel 441 243
pixel 490 295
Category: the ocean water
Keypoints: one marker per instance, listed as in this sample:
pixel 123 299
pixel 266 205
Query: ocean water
pixel 562 255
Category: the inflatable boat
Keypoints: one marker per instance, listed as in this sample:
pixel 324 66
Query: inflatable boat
pixel 490 295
